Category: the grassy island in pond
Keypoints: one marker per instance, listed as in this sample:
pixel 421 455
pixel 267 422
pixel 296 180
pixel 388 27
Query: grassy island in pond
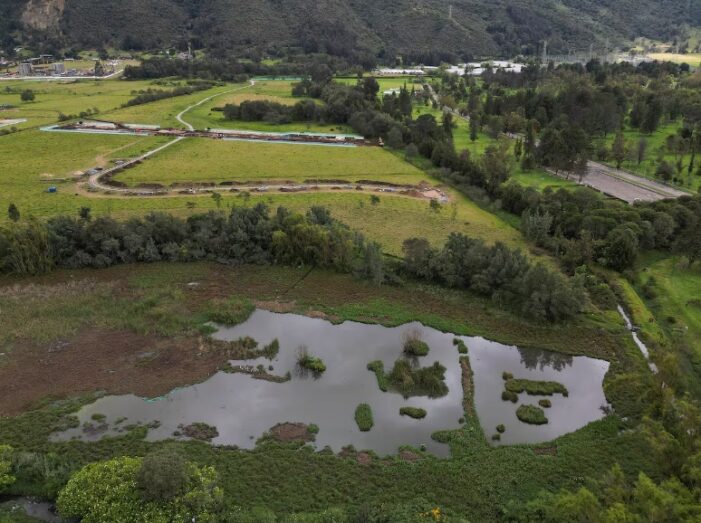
pixel 413 412
pixel 535 388
pixel 363 417
pixel 531 414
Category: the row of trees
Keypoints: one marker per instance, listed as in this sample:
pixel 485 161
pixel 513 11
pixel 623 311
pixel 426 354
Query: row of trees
pixel 581 227
pixel 246 235
pixel 502 274
pixel 153 95
pixel 257 236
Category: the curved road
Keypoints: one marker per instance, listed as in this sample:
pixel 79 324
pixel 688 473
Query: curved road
pixel 95 180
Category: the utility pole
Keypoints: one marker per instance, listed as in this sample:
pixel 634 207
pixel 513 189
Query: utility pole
pixel 450 12
pixel 591 52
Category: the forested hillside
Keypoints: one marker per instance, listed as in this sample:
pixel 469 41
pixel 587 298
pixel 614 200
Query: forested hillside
pixel 413 28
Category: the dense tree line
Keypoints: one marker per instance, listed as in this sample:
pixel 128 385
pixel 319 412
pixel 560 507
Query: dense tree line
pixel 232 69
pixel 502 274
pixel 257 236
pixel 559 118
pixel 581 227
pixel 153 95
pixel 272 112
pixel 244 236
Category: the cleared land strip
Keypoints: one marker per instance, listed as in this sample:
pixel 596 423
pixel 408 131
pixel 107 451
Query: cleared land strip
pixel 626 186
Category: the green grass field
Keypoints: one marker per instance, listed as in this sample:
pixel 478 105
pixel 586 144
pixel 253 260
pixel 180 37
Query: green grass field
pixel 656 151
pixel 279 91
pixel 676 303
pixel 203 160
pixel 67 97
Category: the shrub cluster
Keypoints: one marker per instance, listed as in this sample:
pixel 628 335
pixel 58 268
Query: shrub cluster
pixel 363 417
pixel 502 274
pixel 531 414
pixel 413 412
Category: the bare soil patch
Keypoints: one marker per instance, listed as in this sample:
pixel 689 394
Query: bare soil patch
pixel 288 432
pixel 117 362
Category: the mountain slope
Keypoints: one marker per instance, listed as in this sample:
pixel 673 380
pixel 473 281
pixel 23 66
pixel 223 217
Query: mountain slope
pixel 344 27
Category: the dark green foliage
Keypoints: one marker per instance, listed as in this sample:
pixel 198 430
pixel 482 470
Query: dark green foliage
pixel 363 417
pixel 245 235
pixel 531 414
pixel 413 412
pixel 503 274
pixel 535 388
pixel 509 396
pixel 13 212
pixel 379 369
pixel 163 475
pixel 501 429
pixel 309 362
pixel 462 347
pixel 545 403
pixel 27 95
pixel 153 95
pixel 506 376
pixel 421 381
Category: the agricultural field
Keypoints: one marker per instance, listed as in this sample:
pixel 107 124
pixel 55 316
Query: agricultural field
pixel 64 97
pixel 62 155
pixel 693 59
pixel 203 160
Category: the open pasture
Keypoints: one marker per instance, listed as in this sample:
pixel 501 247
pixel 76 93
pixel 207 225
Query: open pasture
pixel 203 160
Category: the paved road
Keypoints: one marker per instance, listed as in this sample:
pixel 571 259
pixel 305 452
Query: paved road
pixel 626 186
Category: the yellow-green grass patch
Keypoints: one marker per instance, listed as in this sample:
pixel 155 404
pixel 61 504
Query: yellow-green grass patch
pixel 204 160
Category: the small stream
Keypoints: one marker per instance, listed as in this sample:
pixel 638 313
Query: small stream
pixel 243 408
pixel 643 348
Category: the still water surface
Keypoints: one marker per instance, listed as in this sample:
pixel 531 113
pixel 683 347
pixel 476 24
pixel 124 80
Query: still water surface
pixel 243 408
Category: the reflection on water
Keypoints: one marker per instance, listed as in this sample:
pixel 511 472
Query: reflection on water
pixel 243 408
pixel 533 359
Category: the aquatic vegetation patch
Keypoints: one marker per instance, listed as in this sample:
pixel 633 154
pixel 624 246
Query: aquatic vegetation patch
pixel 363 417
pixel 531 414
pixel 200 431
pixel 230 311
pixel 413 412
pixel 545 403
pixel 309 362
pixel 461 346
pixel 414 345
pixel 535 388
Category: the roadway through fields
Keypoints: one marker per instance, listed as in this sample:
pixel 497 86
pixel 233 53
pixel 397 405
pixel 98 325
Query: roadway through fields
pixel 95 180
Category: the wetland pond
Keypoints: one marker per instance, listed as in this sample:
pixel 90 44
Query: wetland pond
pixel 243 408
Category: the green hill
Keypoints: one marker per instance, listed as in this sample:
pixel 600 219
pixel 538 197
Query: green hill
pixel 345 27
